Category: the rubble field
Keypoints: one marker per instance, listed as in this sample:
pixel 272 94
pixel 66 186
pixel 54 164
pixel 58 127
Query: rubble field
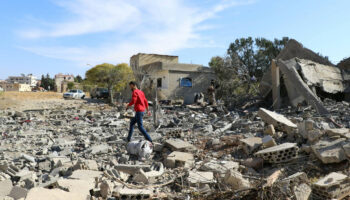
pixel 77 150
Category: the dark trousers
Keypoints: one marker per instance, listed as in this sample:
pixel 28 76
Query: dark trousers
pixel 138 119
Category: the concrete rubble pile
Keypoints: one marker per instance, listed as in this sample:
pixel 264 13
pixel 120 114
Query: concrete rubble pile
pixel 79 152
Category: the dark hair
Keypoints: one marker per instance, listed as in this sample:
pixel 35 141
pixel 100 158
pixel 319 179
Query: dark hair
pixel 133 83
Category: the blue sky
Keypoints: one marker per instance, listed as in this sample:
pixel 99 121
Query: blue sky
pixel 63 36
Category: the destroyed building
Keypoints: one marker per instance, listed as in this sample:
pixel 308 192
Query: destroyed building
pixel 172 79
pixel 61 82
pixel 299 75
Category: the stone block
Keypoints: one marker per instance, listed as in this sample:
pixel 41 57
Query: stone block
pixel 5 187
pixel 236 180
pixel 268 141
pixel 18 192
pixel 280 153
pixel 342 132
pixel 330 151
pixel 179 159
pixel 333 186
pixel 197 177
pixel 314 135
pixel 251 144
pixel 85 174
pixel 126 193
pixel 180 145
pixel 270 130
pixel 277 120
pixel 302 191
pixel 39 193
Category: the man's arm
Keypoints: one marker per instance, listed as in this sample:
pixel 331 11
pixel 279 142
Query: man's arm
pixel 133 100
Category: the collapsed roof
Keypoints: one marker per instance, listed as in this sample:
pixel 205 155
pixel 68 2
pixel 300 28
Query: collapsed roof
pixel 305 77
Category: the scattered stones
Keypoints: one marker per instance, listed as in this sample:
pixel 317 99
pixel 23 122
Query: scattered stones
pixel 80 152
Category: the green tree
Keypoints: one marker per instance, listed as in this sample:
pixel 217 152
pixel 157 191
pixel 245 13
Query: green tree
pixel 78 79
pixel 113 77
pixel 256 54
pixel 47 82
pixel 70 85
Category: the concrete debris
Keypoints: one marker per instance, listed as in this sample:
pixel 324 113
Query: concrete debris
pixel 280 153
pixel 179 145
pixel 5 187
pixel 333 186
pixel 197 177
pixel 79 151
pixel 277 120
pixel 236 180
pixel 330 151
pixel 179 159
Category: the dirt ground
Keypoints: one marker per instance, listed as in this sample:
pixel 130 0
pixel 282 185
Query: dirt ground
pixel 20 101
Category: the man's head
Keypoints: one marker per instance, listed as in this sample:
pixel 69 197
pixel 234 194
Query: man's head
pixel 132 85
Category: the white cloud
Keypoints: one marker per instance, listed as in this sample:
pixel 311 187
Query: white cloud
pixel 152 26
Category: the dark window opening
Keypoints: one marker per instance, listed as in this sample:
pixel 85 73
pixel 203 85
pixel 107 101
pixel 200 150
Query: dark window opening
pixel 159 82
pixel 323 95
pixel 186 82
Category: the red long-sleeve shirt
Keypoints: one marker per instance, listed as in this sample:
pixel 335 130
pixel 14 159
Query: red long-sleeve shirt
pixel 140 101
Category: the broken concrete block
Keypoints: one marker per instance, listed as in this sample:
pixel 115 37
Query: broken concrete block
pixel 251 144
pixel 236 180
pixel 255 163
pixel 197 177
pixel 104 189
pixel 85 174
pixel 346 148
pixel 76 186
pixel 100 149
pixel 270 130
pixel 180 145
pixel 18 192
pixel 126 193
pixel 333 186
pixel 268 141
pixel 330 151
pixel 277 120
pixel 302 191
pixel 39 193
pixel 342 132
pixel 280 153
pixel 219 167
pixel 314 135
pixel 179 159
pixel 5 187
pixel 140 177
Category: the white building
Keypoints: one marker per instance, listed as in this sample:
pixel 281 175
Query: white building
pixel 23 79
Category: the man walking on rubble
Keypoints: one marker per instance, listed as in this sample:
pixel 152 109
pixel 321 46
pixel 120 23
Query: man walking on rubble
pixel 140 105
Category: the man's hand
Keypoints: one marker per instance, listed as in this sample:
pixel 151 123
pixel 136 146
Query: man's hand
pixel 149 113
pixel 126 106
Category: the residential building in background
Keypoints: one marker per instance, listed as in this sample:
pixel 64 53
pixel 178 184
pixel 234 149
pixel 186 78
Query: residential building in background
pixel 15 87
pixel 23 79
pixel 172 79
pixel 61 82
